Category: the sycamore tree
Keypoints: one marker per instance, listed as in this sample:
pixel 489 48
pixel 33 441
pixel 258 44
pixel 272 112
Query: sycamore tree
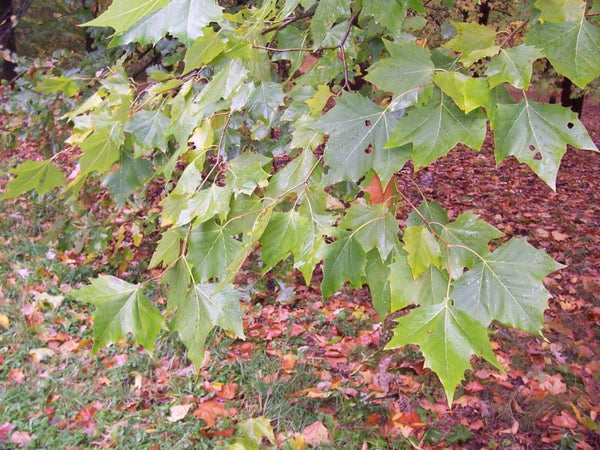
pixel 258 113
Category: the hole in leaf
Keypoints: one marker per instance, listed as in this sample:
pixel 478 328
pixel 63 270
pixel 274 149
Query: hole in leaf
pixel 368 123
pixel 369 149
pixel 570 125
pixel 538 156
pixel 532 147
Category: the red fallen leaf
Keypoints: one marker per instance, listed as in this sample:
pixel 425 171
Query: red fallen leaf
pixel 411 419
pixel 564 420
pixel 316 434
pixel 20 438
pixel 5 430
pixel 210 411
pixel 374 419
pixel 227 391
pixel 377 194
pixel 16 376
pixel 474 386
pixel 226 433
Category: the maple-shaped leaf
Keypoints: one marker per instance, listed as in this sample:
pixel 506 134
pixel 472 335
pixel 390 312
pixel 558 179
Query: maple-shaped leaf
pixel 467 237
pixel 285 234
pixel 447 338
pixel 167 249
pixel 202 206
pixel 474 41
pixel 513 65
pixel 121 308
pixel 101 150
pixel 358 130
pixel 422 249
pixel 537 134
pixel 429 288
pixel 294 175
pixel 264 100
pixel 325 17
pixel 408 67
pixel 184 19
pixel 434 129
pixel 373 226
pixel 176 281
pixel 211 249
pixel 204 49
pixel 560 10
pixel 149 128
pixel 42 176
pixel 507 286
pixel 573 48
pixel 377 278
pixel 130 176
pixel 246 172
pixel 203 309
pixel 388 13
pixel 344 260
pixel 123 14
pixel 467 92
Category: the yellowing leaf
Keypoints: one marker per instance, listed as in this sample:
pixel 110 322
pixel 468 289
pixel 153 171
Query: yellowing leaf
pixel 474 41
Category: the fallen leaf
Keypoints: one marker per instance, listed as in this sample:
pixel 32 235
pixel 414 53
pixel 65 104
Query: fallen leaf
pixel 557 236
pixel 4 322
pixel 16 376
pixel 288 361
pixel 20 438
pixel 41 354
pixel 316 434
pixel 210 411
pixel 178 412
pixel 564 420
pixel 53 300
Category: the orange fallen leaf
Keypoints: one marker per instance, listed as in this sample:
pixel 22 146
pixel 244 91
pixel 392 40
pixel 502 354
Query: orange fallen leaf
pixel 377 194
pixel 557 236
pixel 564 420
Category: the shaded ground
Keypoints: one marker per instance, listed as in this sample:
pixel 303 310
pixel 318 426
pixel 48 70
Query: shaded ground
pixel 306 361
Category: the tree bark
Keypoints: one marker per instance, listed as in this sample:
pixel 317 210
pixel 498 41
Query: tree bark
pixel 7 39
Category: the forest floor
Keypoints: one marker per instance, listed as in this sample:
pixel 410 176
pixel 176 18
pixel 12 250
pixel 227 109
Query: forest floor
pixel 315 369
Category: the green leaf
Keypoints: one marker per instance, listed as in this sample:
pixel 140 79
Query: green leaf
pixel 388 13
pixel 573 48
pixel 211 250
pixel 121 308
pixel 42 176
pixel 168 248
pixel 467 92
pixel 285 234
pixel 129 177
pixel 206 204
pixel 447 338
pixel 67 85
pixel 377 277
pixel 123 14
pixel 513 65
pixel 373 226
pixel 149 128
pixel 537 134
pixel 223 85
pixel 328 12
pixel 318 101
pixel 344 260
pixel 428 289
pixel 246 172
pixel 354 125
pixel 101 150
pixel 560 10
pixel 256 429
pixel 474 41
pixel 431 212
pixel 202 310
pixel 204 49
pixel 434 129
pixel 264 101
pixel 507 286
pixel 177 280
pixel 468 237
pixel 408 68
pixel 293 176
pixel 422 248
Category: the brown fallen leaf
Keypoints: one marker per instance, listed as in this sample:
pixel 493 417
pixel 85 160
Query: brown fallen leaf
pixel 564 420
pixel 558 236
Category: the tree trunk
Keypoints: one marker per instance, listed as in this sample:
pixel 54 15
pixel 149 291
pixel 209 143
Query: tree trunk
pixel 484 12
pixel 7 39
